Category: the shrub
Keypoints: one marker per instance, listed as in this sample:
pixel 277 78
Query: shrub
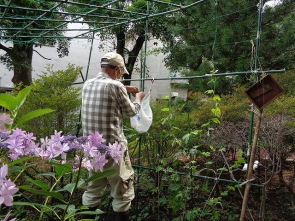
pixel 54 90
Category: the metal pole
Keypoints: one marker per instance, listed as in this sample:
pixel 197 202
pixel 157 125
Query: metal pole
pixel 251 152
pixel 138 175
pixel 208 75
pixel 142 88
pixel 197 176
pixel 90 53
pixel 145 47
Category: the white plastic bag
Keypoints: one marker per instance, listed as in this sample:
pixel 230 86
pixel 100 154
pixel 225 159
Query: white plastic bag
pixel 142 121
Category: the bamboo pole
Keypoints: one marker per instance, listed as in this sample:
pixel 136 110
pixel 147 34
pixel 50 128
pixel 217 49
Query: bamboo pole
pixel 250 167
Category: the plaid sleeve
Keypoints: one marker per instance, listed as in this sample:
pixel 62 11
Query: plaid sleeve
pixel 128 108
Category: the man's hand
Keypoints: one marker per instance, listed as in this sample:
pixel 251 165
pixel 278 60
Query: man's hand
pixel 132 89
pixel 139 96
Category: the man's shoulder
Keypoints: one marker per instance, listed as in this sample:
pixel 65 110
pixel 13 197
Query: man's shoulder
pixel 104 81
pixel 117 83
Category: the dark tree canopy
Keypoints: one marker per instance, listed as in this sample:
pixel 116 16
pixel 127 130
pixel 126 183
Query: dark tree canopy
pixel 221 35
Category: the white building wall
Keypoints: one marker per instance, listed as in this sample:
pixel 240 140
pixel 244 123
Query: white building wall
pixel 79 53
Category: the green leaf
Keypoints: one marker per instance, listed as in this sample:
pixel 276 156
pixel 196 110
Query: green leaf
pixel 15 169
pixel 46 193
pixel 61 206
pixel 209 92
pixel 241 160
pixel 166 109
pixel 12 103
pixel 81 183
pixel 63 169
pixel 206 124
pixel 20 160
pixel 215 120
pixel 216 98
pixel 38 183
pixel 70 187
pixel 96 212
pixel 196 132
pixel 212 148
pixel 222 169
pixel 8 101
pixel 24 187
pixel 52 174
pixel 48 208
pixel 186 138
pixel 33 114
pixel 22 95
pixel 71 213
pixel 224 193
pixel 174 186
pixel 100 175
pixel 216 111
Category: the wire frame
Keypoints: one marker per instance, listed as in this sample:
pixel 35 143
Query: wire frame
pixel 31 22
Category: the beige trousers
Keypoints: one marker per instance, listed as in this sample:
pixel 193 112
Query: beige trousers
pixel 121 183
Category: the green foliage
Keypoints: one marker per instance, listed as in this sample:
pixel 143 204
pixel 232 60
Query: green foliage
pixel 221 36
pixel 286 80
pixel 14 103
pixel 180 154
pixel 54 89
pixel 59 201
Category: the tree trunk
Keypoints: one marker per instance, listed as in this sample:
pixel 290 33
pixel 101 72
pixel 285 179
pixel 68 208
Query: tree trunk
pixel 22 60
pixel 133 54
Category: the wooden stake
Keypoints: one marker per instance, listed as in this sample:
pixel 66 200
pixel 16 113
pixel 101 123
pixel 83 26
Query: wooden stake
pixel 250 167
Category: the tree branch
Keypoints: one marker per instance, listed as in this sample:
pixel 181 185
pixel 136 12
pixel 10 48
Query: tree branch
pixel 42 55
pixel 5 48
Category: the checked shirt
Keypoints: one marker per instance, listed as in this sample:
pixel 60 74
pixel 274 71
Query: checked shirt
pixel 104 100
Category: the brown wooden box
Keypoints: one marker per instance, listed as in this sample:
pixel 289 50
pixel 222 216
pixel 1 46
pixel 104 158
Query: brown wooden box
pixel 264 92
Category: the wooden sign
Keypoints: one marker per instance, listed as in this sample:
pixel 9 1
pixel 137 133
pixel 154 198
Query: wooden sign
pixel 264 92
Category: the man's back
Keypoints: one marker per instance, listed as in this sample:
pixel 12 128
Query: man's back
pixel 104 100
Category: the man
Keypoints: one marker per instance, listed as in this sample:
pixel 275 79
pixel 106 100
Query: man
pixel 104 100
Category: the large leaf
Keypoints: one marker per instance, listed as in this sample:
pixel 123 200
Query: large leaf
pixel 96 212
pixel 8 101
pixel 20 160
pixel 71 210
pixel 17 169
pixel 12 103
pixel 70 187
pixel 48 208
pixel 46 193
pixel 33 114
pixel 38 183
pixel 24 187
pixel 22 95
pixel 64 206
pixel 100 175
pixel 81 182
pixel 71 213
pixel 48 174
pixel 63 169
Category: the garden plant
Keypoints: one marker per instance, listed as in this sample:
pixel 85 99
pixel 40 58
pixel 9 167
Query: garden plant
pixel 65 154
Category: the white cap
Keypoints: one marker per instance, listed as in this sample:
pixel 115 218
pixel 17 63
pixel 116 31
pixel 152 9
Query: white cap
pixel 114 59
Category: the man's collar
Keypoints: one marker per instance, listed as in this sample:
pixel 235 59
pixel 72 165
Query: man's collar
pixel 103 74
